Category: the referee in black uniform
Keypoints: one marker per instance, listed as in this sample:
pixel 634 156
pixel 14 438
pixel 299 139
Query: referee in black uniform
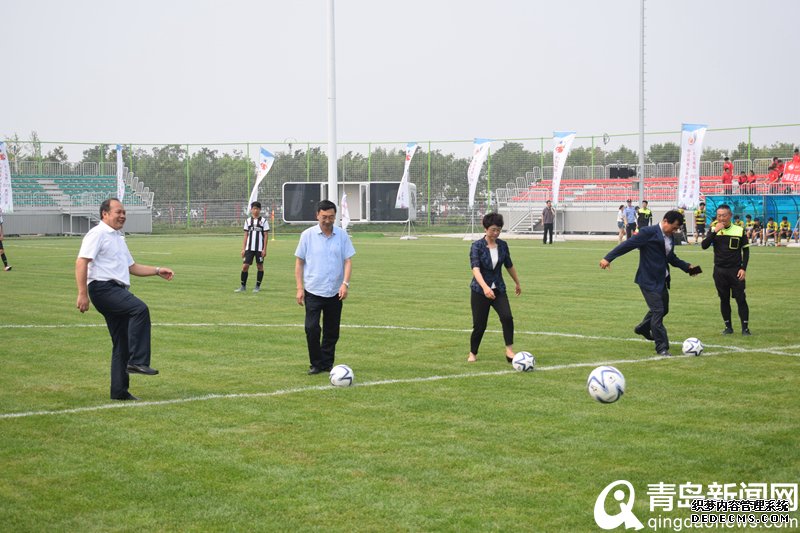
pixel 731 254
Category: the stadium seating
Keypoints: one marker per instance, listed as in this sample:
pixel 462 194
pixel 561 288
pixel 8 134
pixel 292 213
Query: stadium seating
pixel 41 190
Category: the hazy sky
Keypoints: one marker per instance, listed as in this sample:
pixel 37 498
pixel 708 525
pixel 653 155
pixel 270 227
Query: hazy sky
pixel 201 71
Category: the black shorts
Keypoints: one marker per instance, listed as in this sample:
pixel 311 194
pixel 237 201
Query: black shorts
pixel 726 280
pixel 700 228
pixel 249 255
pixel 1 245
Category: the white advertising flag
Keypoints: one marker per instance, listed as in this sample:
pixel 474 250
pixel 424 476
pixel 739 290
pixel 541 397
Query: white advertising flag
pixel 120 175
pixel 6 196
pixel 264 164
pixel 480 152
pixel 689 176
pixel 345 212
pixel 562 142
pixel 402 201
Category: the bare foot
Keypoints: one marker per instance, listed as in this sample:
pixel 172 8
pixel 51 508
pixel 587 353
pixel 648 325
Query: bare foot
pixel 471 358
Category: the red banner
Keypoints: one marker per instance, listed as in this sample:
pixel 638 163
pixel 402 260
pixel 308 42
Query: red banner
pixel 791 172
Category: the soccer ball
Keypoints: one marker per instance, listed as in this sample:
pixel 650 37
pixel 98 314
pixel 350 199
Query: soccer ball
pixel 606 384
pixel 692 346
pixel 342 376
pixel 523 362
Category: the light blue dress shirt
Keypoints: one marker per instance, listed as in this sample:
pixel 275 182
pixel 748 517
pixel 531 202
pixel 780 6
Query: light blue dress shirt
pixel 324 257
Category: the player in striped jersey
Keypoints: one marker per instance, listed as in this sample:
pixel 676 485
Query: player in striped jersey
pixel 256 230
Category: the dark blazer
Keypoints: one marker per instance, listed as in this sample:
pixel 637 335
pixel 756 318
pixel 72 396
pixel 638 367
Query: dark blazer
pixel 653 271
pixel 480 256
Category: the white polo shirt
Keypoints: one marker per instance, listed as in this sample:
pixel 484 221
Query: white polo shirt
pixel 109 254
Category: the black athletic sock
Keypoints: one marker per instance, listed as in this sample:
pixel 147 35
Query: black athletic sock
pixel 5 261
pixel 259 277
pixel 244 278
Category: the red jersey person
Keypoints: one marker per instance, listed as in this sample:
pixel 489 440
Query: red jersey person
pixel 774 175
pixel 727 176
pixel 742 179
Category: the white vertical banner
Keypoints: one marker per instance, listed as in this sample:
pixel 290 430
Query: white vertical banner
pixel 264 164
pixel 120 175
pixel 345 212
pixel 689 176
pixel 402 201
pixel 562 143
pixel 480 152
pixel 6 195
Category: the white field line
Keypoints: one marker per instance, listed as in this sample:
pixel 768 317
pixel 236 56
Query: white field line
pixel 296 390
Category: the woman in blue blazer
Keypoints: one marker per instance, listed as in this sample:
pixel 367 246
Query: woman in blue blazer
pixel 487 257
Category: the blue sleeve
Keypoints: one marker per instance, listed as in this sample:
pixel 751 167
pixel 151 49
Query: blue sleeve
pixel 474 256
pixel 636 241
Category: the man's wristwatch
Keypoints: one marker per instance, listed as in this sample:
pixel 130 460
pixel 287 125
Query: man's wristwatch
pixel 346 284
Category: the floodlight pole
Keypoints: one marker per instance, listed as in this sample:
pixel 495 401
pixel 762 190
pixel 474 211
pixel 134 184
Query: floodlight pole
pixel 333 179
pixel 641 103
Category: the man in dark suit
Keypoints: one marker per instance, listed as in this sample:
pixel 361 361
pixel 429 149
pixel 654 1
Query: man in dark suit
pixel 656 247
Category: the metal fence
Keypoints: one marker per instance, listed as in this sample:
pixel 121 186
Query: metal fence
pixel 210 184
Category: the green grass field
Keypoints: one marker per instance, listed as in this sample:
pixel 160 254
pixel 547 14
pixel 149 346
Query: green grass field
pixel 234 436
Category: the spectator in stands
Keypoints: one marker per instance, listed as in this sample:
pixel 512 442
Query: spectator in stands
pixel 548 219
pixel 621 222
pixel 751 182
pixel 6 266
pixel 102 273
pixel 770 230
pixel 773 177
pixel 742 182
pixel 630 219
pixel 756 235
pixel 700 221
pixel 796 156
pixel 727 176
pixel 487 257
pixel 784 230
pixel 645 215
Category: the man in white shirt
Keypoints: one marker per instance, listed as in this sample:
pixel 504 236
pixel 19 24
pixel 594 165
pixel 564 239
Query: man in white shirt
pixel 102 273
pixel 322 271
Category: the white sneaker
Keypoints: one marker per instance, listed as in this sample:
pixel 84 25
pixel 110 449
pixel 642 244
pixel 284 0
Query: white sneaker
pixel 257 289
pixel 7 268
pixel 240 289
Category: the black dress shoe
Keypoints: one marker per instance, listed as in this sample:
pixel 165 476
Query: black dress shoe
pixel 665 353
pixel 128 397
pixel 142 369
pixel 644 333
pixel 314 370
pixel 509 359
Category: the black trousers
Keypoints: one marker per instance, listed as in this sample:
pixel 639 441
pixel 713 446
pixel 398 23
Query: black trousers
pixel 630 228
pixel 321 354
pixel 548 228
pixel 727 283
pixel 128 321
pixel 480 317
pixel 658 308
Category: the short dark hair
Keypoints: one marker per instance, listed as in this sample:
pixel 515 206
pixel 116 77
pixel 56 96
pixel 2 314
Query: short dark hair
pixel 724 206
pixel 326 205
pixel 105 207
pixel 748 216
pixel 492 219
pixel 673 216
pixel 255 204
pixel 644 201
pixel 702 203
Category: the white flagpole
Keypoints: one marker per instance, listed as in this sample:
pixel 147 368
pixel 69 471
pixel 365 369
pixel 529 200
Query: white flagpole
pixel 120 175
pixel 333 178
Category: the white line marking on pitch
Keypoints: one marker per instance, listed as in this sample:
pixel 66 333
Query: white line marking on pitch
pixel 284 392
